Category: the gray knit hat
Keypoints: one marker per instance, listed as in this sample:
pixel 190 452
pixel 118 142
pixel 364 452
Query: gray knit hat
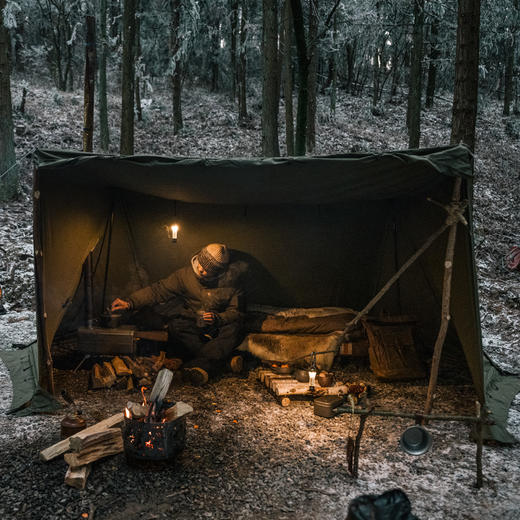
pixel 213 258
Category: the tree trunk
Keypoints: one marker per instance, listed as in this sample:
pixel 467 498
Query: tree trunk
pixel 465 94
pixel 303 67
pixel 350 51
pixel 432 67
pixel 104 134
pixel 214 52
pixel 288 78
pixel 89 84
pixel 176 64
pixel 508 76
pixel 415 89
pixel 312 76
pixel 270 90
pixel 140 66
pixel 334 67
pixel 233 48
pixel 8 172
pixel 242 67
pixel 127 81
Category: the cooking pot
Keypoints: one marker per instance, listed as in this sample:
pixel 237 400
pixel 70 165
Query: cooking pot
pixel 111 320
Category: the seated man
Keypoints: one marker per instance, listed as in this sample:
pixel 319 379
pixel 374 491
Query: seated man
pixel 205 325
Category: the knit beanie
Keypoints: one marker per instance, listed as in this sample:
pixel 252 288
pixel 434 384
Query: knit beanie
pixel 213 258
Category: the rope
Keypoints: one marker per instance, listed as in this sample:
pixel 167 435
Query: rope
pixel 16 163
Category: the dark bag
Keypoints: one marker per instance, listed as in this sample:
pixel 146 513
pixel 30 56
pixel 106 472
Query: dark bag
pixel 391 505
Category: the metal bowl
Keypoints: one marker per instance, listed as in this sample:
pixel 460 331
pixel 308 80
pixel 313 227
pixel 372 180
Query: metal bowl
pixel 415 440
pixel 301 375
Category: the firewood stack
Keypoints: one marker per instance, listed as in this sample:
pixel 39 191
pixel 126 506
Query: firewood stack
pixel 105 438
pixel 127 373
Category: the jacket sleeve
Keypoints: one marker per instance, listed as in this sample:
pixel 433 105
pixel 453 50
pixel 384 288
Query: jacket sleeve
pixel 158 292
pixel 235 309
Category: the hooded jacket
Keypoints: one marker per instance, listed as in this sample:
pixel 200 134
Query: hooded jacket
pixel 223 295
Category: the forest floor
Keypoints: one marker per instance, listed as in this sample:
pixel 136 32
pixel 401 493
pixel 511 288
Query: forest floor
pixel 247 457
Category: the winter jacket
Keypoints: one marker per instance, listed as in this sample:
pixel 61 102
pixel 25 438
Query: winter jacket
pixel 223 295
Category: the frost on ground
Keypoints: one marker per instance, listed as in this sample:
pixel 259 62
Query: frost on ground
pixel 246 456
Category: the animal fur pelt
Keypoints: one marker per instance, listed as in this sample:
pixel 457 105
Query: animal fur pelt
pixel 293 348
pixel 290 312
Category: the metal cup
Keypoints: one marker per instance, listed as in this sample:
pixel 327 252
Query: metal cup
pixel 201 323
pixel 415 440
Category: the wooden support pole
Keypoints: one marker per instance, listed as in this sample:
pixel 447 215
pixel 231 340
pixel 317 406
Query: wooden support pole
pixel 357 444
pixel 480 442
pixel 453 220
pixel 434 236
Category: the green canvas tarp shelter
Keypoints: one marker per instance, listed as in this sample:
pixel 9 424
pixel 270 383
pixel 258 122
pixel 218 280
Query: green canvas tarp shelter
pixel 316 231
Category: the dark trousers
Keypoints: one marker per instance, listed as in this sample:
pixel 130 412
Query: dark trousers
pixel 208 348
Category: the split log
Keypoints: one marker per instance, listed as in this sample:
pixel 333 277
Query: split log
pixel 120 367
pixel 159 361
pixel 137 410
pixel 109 370
pixel 172 363
pixel 162 385
pixel 177 411
pixel 100 378
pixel 61 447
pixel 79 444
pixel 77 477
pixel 103 444
pixel 137 369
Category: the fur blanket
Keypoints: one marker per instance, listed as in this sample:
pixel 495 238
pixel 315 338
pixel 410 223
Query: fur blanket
pixel 293 348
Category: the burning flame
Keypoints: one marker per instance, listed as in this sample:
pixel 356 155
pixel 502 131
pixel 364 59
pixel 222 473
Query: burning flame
pixel 128 413
pixel 143 388
pixel 149 444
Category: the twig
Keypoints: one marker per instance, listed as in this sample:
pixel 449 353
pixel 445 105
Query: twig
pixel 357 444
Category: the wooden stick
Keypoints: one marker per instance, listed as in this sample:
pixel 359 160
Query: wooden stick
pixel 434 236
pixel 78 444
pixel 406 415
pixel 445 309
pixel 480 441
pixel 357 444
pixel 177 411
pixel 61 447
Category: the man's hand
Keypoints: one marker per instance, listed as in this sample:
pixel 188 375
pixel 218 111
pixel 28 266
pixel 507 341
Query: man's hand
pixel 120 305
pixel 209 317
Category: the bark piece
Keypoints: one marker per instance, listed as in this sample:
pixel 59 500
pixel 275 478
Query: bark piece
pixel 61 447
pixel 109 442
pixel 77 477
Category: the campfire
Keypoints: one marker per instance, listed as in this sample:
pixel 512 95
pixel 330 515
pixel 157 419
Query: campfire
pixel 155 432
pixel 152 434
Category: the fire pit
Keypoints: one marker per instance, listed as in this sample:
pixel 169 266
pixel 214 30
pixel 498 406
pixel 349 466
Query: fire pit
pixel 153 439
pixel 149 444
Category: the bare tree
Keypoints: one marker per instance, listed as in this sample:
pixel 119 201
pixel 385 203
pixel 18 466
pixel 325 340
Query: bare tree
pixel 127 80
pixel 271 80
pixel 104 134
pixel 8 172
pixel 465 95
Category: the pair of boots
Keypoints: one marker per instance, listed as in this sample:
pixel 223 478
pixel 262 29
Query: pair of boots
pixel 197 376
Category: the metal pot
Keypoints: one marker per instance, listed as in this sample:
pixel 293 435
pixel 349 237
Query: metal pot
pixel 325 378
pixel 111 320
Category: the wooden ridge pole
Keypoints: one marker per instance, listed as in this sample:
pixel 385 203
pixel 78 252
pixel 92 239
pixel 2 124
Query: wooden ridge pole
pixel 453 220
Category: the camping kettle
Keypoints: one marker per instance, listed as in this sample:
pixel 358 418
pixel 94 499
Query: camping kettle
pixel 71 423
